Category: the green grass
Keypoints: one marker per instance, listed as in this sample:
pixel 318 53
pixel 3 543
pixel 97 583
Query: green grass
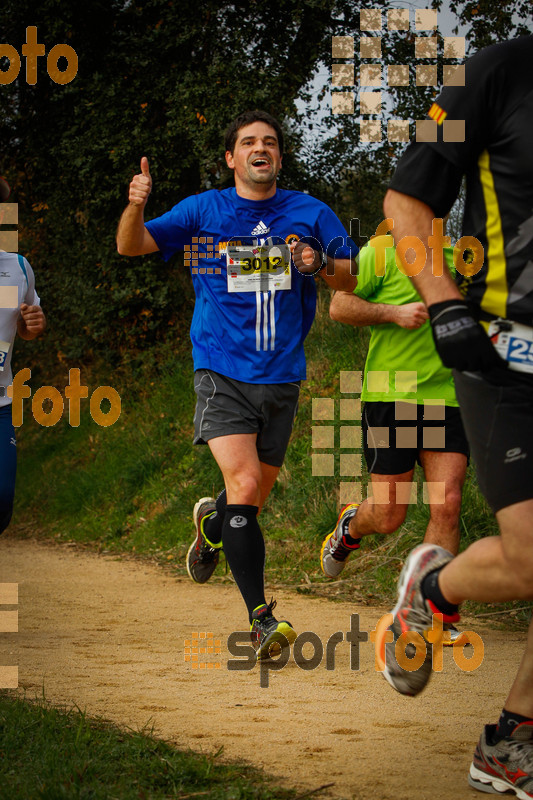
pixel 52 754
pixel 131 487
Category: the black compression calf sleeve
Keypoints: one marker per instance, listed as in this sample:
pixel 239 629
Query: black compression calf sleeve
pixel 213 524
pixel 244 549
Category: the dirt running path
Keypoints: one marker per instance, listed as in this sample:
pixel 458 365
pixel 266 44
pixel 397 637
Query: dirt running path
pixel 109 636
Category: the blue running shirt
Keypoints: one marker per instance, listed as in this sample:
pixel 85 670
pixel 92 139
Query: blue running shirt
pixel 249 327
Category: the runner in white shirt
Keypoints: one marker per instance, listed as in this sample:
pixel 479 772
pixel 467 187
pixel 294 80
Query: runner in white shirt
pixel 20 312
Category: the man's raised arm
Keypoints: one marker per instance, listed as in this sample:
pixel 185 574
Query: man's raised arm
pixel 132 237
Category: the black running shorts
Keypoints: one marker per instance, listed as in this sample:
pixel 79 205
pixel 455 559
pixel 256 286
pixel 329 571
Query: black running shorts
pixel 226 406
pixel 394 433
pixel 499 423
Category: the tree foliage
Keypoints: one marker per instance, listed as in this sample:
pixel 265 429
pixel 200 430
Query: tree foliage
pixel 160 78
pixel 163 78
pixel 491 21
pixel 357 173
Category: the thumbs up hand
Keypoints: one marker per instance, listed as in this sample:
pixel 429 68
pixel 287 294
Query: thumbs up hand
pixel 141 185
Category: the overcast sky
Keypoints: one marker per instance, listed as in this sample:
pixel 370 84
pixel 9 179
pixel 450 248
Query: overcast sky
pixel 446 22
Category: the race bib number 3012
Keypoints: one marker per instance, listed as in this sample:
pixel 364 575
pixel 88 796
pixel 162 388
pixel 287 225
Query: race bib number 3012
pixel 258 268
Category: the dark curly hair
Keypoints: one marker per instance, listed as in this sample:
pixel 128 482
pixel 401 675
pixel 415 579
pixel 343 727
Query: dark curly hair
pixel 246 118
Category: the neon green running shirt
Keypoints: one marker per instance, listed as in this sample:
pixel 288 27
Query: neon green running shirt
pixel 401 364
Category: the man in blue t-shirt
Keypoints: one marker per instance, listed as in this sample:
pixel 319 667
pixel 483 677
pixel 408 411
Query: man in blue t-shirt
pixel 252 251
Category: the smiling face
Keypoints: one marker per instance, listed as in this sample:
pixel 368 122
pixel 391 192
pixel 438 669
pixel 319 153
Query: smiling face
pixel 256 161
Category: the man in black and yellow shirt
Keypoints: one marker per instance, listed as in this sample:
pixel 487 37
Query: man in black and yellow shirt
pixel 483 328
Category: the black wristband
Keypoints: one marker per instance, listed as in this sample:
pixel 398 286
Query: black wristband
pixel 436 309
pixel 459 339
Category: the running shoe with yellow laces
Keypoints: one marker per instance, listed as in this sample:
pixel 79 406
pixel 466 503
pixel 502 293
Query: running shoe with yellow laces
pixel 413 613
pixel 203 555
pixel 268 635
pixel 335 548
pixel 504 766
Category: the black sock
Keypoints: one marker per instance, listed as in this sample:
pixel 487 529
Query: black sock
pixel 507 723
pixel 348 540
pixel 244 549
pixel 431 591
pixel 213 524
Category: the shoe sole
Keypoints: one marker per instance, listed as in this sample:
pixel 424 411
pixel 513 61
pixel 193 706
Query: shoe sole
pixel 324 543
pixel 461 641
pixel 489 783
pixel 197 507
pixel 380 641
pixel 326 540
pixel 282 637
pixel 189 551
pixel 193 545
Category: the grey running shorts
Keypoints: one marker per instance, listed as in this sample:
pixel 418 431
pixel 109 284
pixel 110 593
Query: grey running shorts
pixel 225 406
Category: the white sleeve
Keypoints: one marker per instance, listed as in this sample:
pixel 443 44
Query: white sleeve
pixel 31 297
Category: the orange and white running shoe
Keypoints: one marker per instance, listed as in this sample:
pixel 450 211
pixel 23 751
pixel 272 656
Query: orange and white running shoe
pixel 412 614
pixel 335 551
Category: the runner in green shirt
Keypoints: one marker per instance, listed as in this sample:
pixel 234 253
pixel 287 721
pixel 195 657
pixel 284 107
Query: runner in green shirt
pixel 402 359
pixel 410 412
